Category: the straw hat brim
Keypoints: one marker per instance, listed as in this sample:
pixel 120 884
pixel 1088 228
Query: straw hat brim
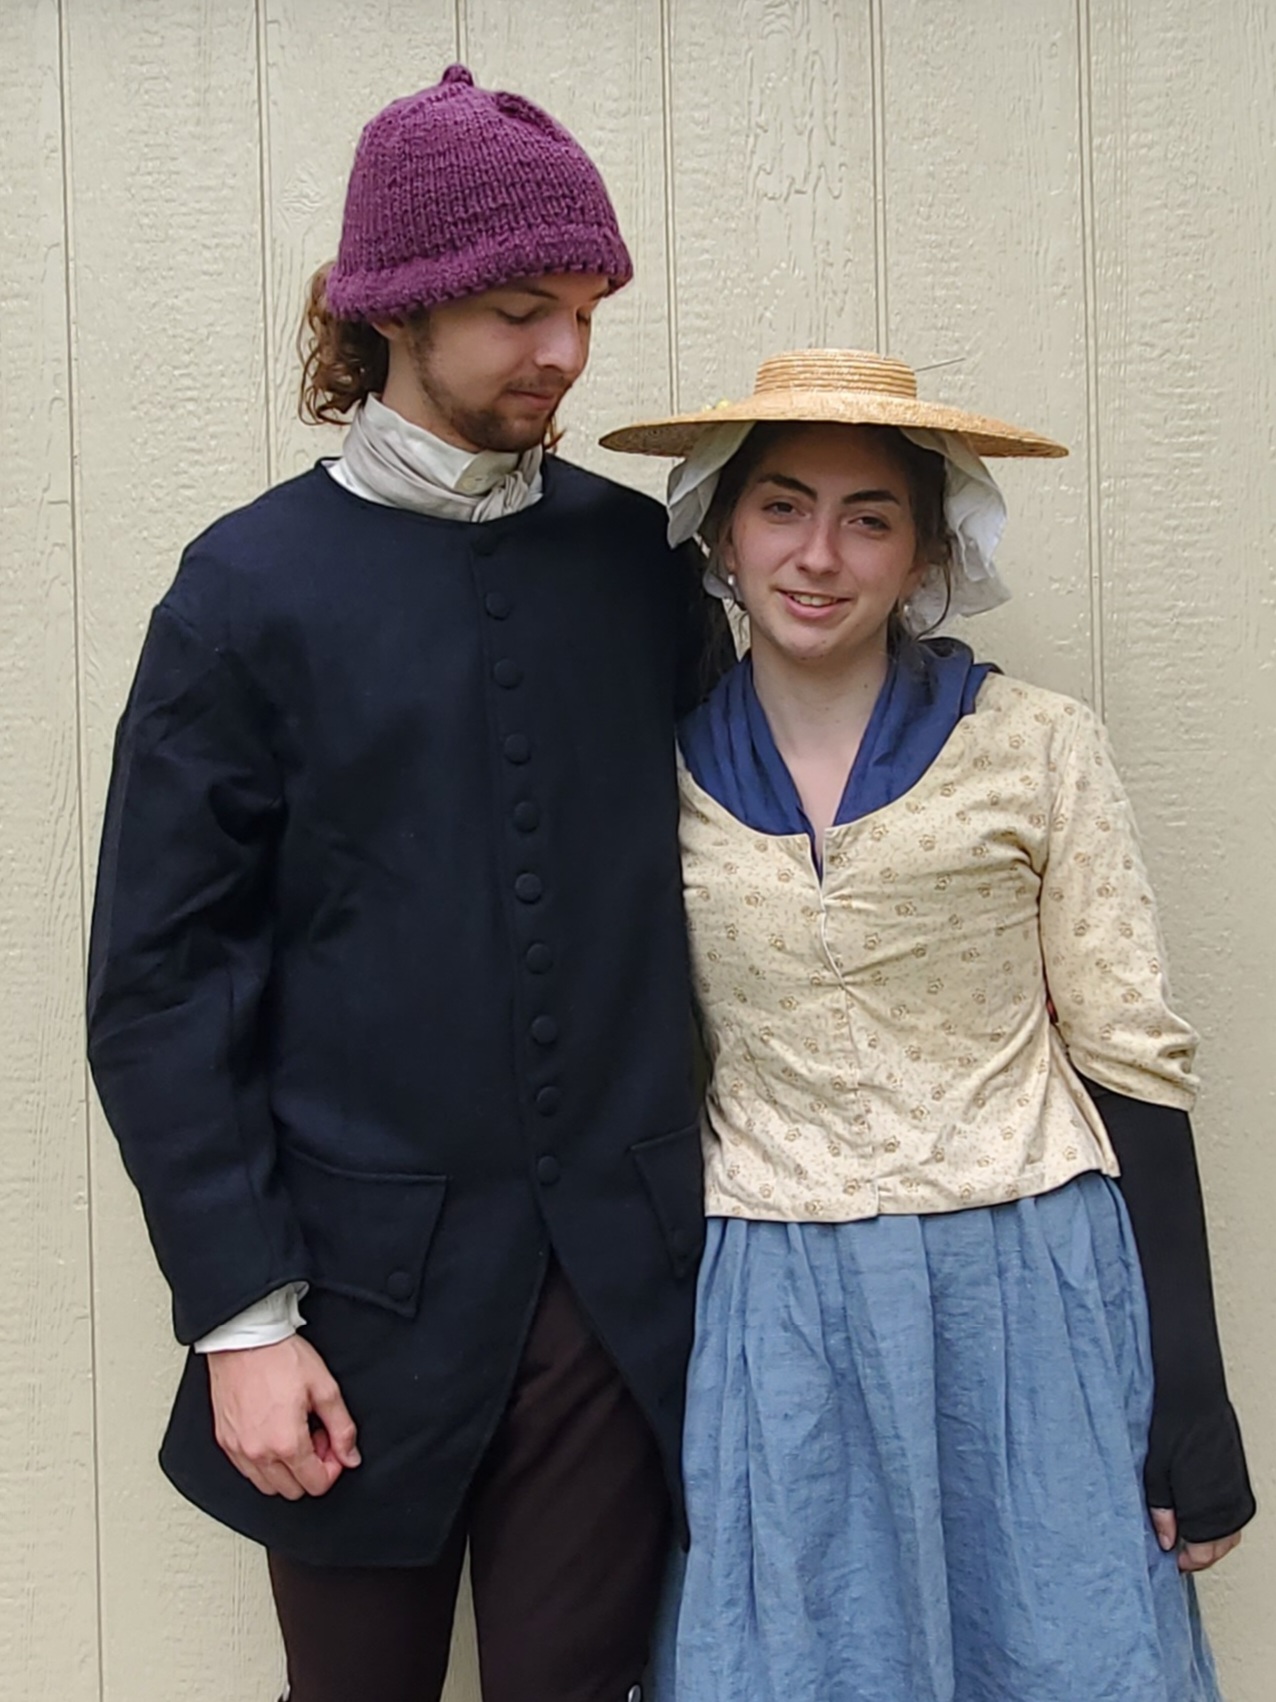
pixel 677 435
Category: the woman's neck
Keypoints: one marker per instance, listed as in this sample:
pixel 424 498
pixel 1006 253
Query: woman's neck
pixel 818 717
pixel 812 709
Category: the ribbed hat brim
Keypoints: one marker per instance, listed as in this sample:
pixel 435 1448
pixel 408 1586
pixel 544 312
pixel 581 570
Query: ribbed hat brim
pixel 677 435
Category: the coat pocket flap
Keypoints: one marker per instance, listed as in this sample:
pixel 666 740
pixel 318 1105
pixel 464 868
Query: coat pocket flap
pixel 367 1232
pixel 672 1167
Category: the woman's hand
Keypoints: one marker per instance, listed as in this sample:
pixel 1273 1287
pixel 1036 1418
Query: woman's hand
pixel 1193 1556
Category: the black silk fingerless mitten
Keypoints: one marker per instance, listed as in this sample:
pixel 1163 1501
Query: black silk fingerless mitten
pixel 1196 1460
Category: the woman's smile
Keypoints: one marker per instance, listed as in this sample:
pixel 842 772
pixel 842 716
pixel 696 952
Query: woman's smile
pixel 811 605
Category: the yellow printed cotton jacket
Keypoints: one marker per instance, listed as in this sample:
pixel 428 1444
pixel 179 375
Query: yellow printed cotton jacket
pixel 880 1038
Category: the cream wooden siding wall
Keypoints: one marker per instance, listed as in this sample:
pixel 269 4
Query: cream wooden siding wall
pixel 1069 202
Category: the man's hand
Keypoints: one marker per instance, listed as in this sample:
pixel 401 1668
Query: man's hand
pixel 263 1399
pixel 1193 1556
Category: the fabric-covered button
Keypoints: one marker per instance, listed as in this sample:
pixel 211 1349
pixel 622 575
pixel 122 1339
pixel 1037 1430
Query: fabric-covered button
pixel 544 1031
pixel 548 1100
pixel 528 888
pixel 399 1285
pixel 507 673
pixel 497 605
pixel 548 1169
pixel 527 816
pixel 517 747
pixel 538 958
pixel 484 544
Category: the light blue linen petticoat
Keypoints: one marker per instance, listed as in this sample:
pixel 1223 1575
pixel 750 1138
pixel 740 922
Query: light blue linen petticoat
pixel 914 1444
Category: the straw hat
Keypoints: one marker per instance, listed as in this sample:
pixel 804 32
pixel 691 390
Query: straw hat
pixel 842 386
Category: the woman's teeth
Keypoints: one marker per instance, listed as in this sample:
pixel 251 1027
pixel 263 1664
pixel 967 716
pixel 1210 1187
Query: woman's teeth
pixel 810 602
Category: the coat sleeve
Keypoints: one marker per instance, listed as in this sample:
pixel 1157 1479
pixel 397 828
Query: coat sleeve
pixel 180 955
pixel 1100 938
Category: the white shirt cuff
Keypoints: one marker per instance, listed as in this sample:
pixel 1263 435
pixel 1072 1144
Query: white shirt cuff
pixel 271 1319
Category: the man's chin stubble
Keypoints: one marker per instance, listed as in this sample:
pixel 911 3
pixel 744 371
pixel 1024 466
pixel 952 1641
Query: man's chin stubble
pixel 489 430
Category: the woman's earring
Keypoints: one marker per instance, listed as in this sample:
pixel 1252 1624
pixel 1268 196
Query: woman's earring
pixel 733 588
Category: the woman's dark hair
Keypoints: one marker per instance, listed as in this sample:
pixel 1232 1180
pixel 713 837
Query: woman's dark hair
pixel 923 469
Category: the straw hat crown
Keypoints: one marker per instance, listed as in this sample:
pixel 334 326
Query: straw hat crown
pixel 839 386
pixel 836 369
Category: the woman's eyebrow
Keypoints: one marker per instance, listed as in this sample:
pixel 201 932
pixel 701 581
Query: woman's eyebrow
pixel 790 484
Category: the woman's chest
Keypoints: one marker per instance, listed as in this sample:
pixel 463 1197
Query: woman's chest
pixel 938 891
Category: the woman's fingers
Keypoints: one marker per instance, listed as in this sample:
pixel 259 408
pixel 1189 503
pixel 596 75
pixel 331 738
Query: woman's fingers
pixel 1166 1526
pixel 1199 1556
pixel 1193 1556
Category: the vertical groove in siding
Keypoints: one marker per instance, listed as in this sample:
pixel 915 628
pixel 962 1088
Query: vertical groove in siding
pixel 86 1124
pixel 671 206
pixel 1094 467
pixel 878 77
pixel 461 34
pixel 266 193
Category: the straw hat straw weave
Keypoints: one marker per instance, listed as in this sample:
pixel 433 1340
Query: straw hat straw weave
pixel 841 386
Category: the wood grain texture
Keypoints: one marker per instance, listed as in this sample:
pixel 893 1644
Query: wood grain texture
pixel 604 81
pixel 169 338
pixel 321 80
pixel 772 149
pixel 1184 151
pixel 48 1564
pixel 1077 200
pixel 984 267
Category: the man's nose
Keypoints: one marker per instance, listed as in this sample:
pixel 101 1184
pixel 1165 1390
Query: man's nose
pixel 565 346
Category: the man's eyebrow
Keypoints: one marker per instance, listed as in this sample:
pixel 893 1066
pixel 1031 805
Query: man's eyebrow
pixel 790 484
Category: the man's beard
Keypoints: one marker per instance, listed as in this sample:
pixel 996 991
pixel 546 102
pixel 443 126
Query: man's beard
pixel 486 428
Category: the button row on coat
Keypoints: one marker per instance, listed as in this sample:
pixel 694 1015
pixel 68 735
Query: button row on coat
pixel 529 889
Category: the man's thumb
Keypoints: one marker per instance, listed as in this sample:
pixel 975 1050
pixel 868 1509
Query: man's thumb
pixel 339 1425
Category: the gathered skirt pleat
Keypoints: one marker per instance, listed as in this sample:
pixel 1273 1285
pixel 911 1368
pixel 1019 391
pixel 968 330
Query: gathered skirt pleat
pixel 914 1454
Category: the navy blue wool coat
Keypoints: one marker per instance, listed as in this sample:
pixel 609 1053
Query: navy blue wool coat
pixel 388 981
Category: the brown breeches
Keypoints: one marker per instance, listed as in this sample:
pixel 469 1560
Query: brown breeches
pixel 567 1524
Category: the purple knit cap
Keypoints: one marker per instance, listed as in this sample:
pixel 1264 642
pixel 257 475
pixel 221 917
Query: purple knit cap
pixel 459 189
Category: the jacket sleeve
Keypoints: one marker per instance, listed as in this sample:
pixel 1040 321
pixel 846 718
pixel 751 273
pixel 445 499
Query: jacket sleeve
pixel 1100 938
pixel 179 960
